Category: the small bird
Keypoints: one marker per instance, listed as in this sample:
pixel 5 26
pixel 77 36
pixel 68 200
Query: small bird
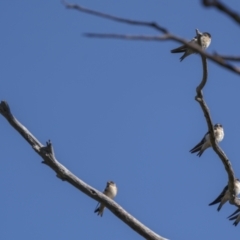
pixel 225 195
pixel 205 40
pixel 206 143
pixel 111 192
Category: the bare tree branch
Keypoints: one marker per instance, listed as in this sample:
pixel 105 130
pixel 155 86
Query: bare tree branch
pixel 127 37
pixel 153 38
pixel 226 162
pixel 227 57
pixel 220 61
pixel 47 153
pixel 166 35
pixel 220 6
pixel 114 18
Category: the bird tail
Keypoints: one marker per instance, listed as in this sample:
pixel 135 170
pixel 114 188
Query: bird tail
pixel 233 218
pixel 178 50
pixel 183 56
pixel 200 153
pixel 99 209
pixel 217 200
pixel 238 210
pixel 197 148
pixel 235 222
pixel 220 206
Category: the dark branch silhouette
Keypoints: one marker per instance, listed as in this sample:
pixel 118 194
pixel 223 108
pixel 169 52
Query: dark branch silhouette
pixel 47 153
pixel 166 34
pixel 223 8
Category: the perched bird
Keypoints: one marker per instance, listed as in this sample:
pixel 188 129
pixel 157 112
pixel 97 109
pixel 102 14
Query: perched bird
pixel 206 143
pixel 205 40
pixel 225 195
pixel 111 192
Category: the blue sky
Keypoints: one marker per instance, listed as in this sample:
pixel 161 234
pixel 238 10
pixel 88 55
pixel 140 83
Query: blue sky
pixel 114 110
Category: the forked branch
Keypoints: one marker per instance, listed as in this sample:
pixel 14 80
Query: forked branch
pixel 166 35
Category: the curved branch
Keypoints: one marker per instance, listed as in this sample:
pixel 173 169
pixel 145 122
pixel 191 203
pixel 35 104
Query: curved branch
pixel 226 162
pixel 220 6
pixel 199 98
pixel 47 153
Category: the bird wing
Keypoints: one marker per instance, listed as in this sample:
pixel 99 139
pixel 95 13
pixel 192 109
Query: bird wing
pixel 183 48
pixel 219 198
pixel 97 208
pixel 199 145
pixel 238 210
pixel 179 49
pixel 232 218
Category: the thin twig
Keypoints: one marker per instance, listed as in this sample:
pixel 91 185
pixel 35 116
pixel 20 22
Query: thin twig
pixel 220 6
pixel 214 58
pixel 127 37
pixel 114 18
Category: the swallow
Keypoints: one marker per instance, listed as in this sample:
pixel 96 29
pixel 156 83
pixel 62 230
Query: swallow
pixel 206 143
pixel 204 42
pixel 111 192
pixel 225 196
